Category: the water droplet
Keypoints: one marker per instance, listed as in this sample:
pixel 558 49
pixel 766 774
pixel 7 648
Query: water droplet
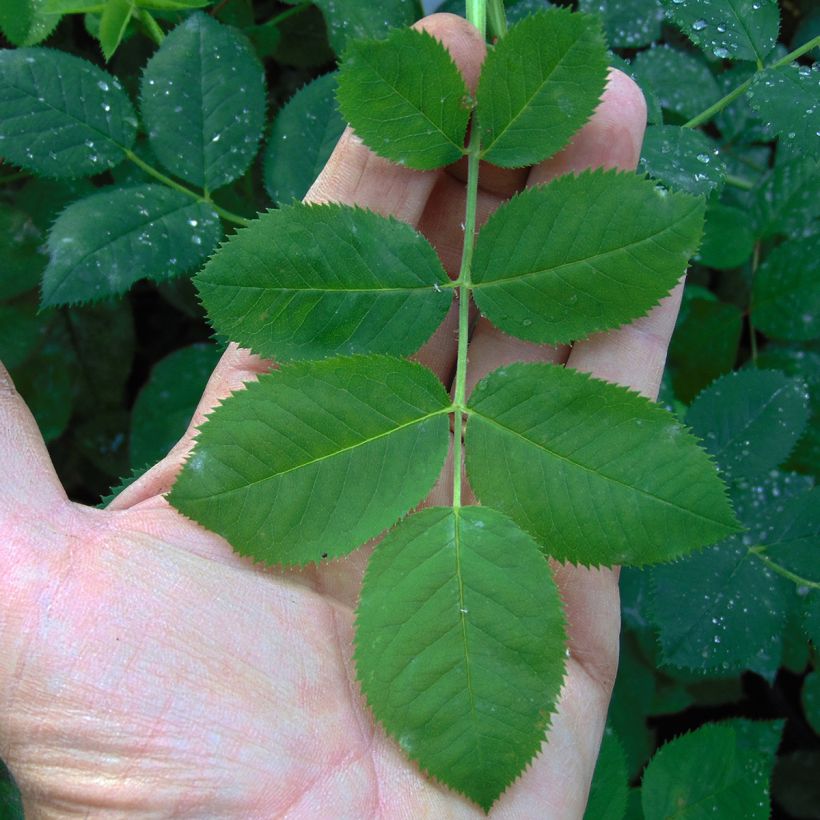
pixel 699 25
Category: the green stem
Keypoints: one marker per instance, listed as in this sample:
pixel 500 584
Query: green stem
pixel 151 26
pixel 166 180
pixel 287 13
pixel 464 283
pixel 717 107
pixel 497 18
pixel 738 182
pixel 477 15
pixel 786 573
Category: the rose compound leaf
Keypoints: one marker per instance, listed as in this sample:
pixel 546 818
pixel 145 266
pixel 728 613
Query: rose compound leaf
pixel 703 774
pixel 460 646
pixel 728 29
pixel 316 458
pixel 750 420
pixel 582 254
pixel 309 281
pixel 203 102
pixel 404 96
pixel 102 244
pixel 61 116
pixel 787 97
pixel 786 291
pixel 596 473
pixel 539 85
pixel 304 134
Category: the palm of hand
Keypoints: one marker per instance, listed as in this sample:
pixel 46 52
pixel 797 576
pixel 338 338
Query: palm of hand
pixel 146 669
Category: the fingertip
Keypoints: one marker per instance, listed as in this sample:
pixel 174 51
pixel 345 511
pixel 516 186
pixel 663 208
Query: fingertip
pixel 461 39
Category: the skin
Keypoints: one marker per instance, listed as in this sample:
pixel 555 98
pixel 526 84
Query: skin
pixel 147 671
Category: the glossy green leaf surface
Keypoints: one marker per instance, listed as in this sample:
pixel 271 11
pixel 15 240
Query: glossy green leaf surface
pixel 460 646
pixel 682 83
pixel 787 97
pixel 750 420
pixel 728 239
pixel 26 22
pixel 203 102
pixel 702 775
pixel 728 29
pixel 724 608
pixel 304 134
pixel 166 402
pixel 627 23
pixel 786 292
pixel 682 159
pixel 788 202
pixel 539 85
pixel 405 98
pixel 102 244
pixel 309 281
pixel 61 116
pixel 314 459
pixel 582 254
pixel 360 19
pixel 596 473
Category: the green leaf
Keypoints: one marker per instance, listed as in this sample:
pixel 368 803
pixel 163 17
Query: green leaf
pixel 166 402
pixel 359 19
pixel 738 122
pixel 11 803
pixel 610 786
pixel 789 200
pixel 596 473
pixel 539 85
pixel 304 134
pixel 795 784
pixel 682 83
pixel 692 364
pixel 627 23
pixel 460 646
pixel 61 116
pixel 309 281
pixel 582 254
pixel 791 542
pixel 682 158
pixel 104 243
pixel 123 484
pixel 203 102
pixel 750 420
pixel 729 29
pixel 728 240
pixel 174 5
pixel 26 22
pixel 810 697
pixel 701 775
pixel 787 98
pixel 114 21
pixel 273 468
pixel 805 364
pixel 786 291
pixel 724 609
pixel 405 98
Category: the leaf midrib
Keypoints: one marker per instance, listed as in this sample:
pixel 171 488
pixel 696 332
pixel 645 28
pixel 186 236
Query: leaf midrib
pixel 334 454
pixel 471 411
pixel 422 289
pixel 517 277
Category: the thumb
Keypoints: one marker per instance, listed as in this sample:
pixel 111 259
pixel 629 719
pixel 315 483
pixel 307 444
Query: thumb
pixel 29 483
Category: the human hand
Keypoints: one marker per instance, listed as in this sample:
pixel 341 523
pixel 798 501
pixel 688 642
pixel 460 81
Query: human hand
pixel 146 669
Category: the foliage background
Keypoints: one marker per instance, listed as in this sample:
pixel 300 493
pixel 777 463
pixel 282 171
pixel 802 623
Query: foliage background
pixel 112 376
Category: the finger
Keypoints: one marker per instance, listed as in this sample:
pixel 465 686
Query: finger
pixel 611 139
pixel 30 487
